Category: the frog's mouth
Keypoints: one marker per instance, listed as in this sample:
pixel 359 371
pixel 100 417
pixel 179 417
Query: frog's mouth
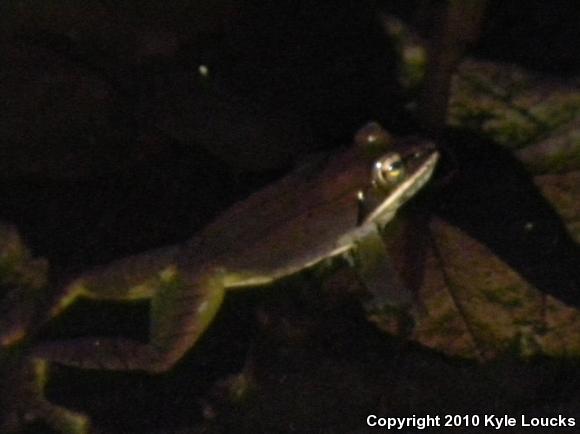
pixel 419 162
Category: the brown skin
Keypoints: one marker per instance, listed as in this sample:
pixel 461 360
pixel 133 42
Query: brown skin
pixel 307 219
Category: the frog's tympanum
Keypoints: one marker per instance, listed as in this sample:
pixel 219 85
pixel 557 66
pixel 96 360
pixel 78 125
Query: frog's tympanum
pixel 322 212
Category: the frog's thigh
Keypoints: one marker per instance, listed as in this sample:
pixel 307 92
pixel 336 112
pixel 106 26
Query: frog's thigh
pixel 181 310
pixel 184 308
pixel 131 278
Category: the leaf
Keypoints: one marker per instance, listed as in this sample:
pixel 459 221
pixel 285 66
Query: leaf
pixel 537 117
pixel 563 193
pixel 472 303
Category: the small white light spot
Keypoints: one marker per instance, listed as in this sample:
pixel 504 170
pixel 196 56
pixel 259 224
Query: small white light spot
pixel 203 70
pixel 529 226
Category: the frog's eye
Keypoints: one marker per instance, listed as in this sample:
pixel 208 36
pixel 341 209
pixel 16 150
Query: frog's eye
pixel 388 171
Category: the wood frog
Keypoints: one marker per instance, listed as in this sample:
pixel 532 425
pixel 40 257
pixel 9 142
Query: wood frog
pixel 329 210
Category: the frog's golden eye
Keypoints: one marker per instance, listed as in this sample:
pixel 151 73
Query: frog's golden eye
pixel 388 171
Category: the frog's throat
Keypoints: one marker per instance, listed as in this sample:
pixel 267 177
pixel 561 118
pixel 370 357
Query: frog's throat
pixel 403 192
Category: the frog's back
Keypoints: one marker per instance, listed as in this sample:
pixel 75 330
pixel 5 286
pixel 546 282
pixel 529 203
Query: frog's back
pixel 295 220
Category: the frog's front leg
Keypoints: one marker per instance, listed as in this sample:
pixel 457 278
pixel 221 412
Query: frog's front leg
pixel 182 306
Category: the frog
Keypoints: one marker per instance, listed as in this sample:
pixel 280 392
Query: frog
pixel 24 289
pixel 333 209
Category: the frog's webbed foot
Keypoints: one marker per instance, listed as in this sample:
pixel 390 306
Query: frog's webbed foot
pixel 181 310
pixel 26 403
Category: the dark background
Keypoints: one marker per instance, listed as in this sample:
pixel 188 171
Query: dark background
pixel 112 143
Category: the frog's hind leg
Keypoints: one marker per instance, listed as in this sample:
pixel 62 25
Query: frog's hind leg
pixel 181 310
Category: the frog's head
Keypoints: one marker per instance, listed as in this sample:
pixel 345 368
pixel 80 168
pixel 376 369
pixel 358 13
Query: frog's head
pixel 395 176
